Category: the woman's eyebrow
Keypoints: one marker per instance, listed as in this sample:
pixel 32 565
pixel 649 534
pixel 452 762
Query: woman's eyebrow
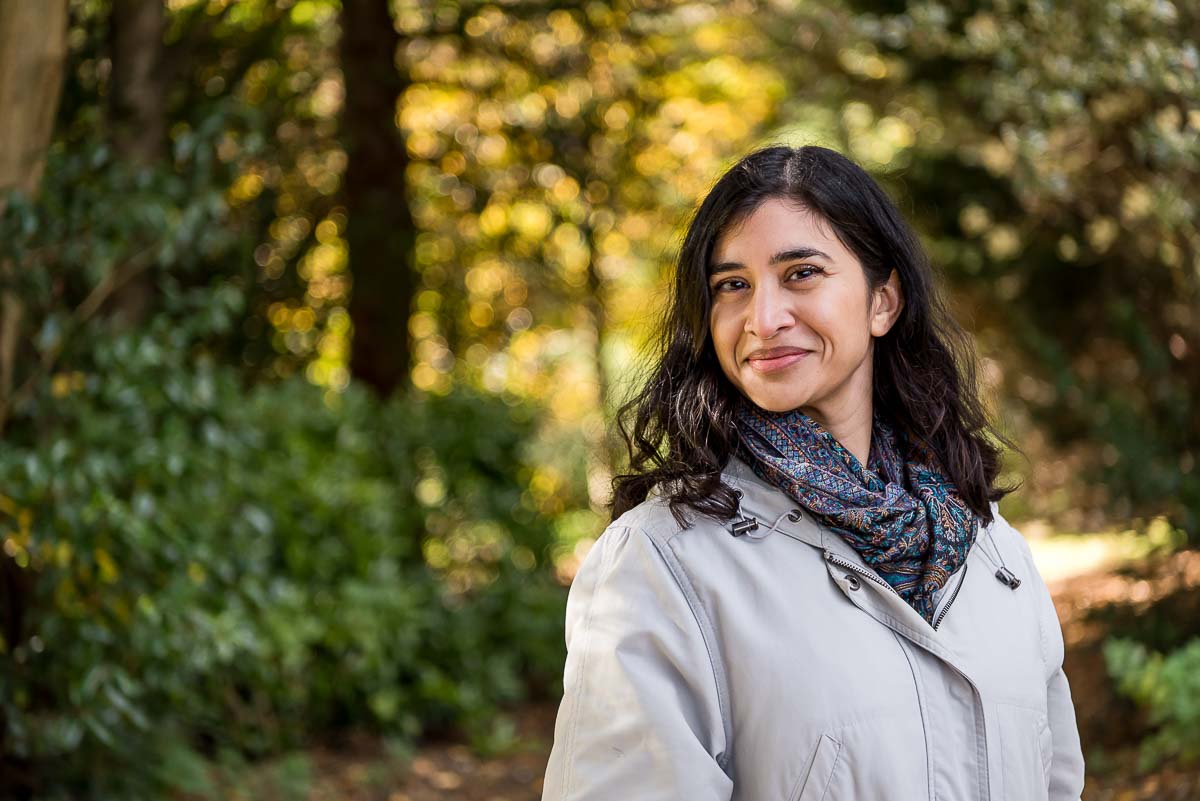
pixel 791 254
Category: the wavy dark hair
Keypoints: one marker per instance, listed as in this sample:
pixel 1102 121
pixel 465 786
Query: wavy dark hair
pixel 679 428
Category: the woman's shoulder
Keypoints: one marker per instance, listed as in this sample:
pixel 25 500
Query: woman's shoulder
pixel 645 525
pixel 645 539
pixel 652 516
pixel 635 559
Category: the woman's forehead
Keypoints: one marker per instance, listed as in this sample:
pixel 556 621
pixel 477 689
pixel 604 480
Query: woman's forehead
pixel 775 231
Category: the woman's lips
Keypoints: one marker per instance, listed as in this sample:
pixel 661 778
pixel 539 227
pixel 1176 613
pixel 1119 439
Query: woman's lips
pixel 778 363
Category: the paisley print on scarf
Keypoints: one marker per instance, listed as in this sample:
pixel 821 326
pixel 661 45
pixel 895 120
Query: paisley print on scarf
pixel 900 513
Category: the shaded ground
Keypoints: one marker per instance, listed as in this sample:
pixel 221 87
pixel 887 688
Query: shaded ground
pixel 1095 605
pixel 449 770
pixel 363 768
pixel 1090 607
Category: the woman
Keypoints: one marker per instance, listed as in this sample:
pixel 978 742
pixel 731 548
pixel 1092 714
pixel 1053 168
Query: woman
pixel 807 590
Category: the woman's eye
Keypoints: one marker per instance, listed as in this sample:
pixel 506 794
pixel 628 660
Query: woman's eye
pixel 721 286
pixel 808 269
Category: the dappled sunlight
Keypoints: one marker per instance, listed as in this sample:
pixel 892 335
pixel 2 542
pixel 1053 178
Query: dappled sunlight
pixel 1060 557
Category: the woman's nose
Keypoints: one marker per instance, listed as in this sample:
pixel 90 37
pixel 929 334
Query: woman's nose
pixel 769 313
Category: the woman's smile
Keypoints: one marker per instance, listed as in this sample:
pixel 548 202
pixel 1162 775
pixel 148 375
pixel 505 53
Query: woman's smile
pixel 776 363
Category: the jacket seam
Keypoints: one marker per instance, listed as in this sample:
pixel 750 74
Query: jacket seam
pixel 912 666
pixel 707 635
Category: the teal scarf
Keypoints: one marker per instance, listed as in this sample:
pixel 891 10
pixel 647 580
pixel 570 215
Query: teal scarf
pixel 900 513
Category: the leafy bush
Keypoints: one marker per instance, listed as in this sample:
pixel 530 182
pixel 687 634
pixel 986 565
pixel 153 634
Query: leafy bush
pixel 1167 688
pixel 198 565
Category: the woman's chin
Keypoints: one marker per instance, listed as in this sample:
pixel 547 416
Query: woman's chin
pixel 776 401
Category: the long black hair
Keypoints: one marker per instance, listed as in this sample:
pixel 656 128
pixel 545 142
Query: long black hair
pixel 679 428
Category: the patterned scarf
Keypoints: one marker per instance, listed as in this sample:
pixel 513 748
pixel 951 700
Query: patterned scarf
pixel 905 519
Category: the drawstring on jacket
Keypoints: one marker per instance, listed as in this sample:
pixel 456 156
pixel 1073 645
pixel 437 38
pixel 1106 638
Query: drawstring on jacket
pixel 748 526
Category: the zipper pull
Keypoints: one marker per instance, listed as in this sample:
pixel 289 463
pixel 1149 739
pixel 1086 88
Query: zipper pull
pixel 1006 577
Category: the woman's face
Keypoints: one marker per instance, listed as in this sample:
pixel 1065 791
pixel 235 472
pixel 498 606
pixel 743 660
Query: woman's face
pixel 792 317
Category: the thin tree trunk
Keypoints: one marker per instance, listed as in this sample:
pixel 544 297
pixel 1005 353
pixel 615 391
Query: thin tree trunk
pixel 137 116
pixel 380 233
pixel 603 446
pixel 137 104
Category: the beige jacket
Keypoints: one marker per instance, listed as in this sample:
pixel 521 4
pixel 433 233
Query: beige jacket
pixel 774 665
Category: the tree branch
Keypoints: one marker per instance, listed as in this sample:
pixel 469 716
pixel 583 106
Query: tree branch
pixel 113 281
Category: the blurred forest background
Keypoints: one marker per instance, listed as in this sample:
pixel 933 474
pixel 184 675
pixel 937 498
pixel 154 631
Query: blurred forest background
pixel 314 316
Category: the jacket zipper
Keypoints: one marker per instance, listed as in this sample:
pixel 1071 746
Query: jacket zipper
pixel 953 595
pixel 837 560
pixel 840 562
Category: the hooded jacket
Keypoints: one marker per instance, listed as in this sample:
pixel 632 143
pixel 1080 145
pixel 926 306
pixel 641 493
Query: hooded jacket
pixel 761 659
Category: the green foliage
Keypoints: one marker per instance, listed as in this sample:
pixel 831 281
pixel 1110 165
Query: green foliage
pixel 98 224
pixel 200 566
pixel 213 566
pixel 1167 688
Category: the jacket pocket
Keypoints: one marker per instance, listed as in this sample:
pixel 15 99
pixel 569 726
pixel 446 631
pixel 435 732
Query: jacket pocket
pixel 1025 752
pixel 814 784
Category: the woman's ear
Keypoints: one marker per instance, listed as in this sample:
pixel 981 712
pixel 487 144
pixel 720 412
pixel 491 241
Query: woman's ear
pixel 887 302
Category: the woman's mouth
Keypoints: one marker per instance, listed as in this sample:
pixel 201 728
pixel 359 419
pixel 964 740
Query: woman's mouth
pixel 778 363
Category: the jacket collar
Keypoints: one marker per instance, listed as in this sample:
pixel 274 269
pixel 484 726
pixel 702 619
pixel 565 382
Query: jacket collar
pixel 775 512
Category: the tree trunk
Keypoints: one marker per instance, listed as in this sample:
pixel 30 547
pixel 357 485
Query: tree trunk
pixel 137 116
pixel 137 102
pixel 33 51
pixel 380 233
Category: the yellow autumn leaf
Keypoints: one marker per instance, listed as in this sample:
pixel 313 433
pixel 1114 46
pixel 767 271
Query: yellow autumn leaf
pixel 108 568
